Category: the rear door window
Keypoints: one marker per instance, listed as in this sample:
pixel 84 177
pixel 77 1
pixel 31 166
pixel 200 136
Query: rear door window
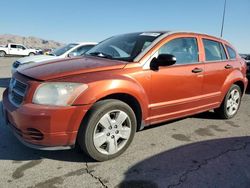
pixel 231 52
pixel 214 51
pixel 20 47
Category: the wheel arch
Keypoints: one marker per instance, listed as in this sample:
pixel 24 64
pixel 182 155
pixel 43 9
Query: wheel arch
pixel 240 83
pixel 3 51
pixel 237 78
pixel 132 102
pixel 126 91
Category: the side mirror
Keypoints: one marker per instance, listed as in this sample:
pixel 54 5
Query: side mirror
pixel 72 54
pixel 162 60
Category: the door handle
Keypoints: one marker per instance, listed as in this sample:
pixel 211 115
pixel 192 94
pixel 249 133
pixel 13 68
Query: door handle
pixel 228 66
pixel 197 70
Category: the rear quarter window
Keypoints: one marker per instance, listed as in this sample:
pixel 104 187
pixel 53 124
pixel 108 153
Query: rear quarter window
pixel 231 52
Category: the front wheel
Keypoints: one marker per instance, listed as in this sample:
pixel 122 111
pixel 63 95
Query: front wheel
pixel 2 53
pixel 108 129
pixel 31 54
pixel 231 103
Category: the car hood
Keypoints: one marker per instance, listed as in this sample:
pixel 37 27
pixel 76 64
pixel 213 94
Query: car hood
pixel 68 66
pixel 36 58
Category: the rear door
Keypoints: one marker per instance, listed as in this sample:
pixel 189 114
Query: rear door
pixel 217 68
pixel 176 89
pixel 21 50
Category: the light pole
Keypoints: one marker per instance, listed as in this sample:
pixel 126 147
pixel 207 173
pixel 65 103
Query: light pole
pixel 223 18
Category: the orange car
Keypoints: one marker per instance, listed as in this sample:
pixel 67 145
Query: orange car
pixel 124 83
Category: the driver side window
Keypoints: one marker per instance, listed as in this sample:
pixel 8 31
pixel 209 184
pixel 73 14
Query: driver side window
pixel 184 49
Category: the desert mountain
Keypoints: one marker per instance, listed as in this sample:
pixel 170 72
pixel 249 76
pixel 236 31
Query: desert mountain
pixel 33 42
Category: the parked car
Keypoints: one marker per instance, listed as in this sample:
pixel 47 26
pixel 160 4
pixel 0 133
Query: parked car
pixel 39 51
pixel 47 51
pixel 72 49
pixel 247 58
pixel 121 85
pixel 16 49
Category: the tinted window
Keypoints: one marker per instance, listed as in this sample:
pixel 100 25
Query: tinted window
pixel 124 47
pixel 231 52
pixel 13 46
pixel 214 51
pixel 63 49
pixel 20 47
pixel 184 49
pixel 81 50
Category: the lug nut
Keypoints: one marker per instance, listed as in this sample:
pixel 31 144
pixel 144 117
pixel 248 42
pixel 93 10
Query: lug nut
pixel 110 127
pixel 108 134
pixel 116 132
pixel 112 136
pixel 115 126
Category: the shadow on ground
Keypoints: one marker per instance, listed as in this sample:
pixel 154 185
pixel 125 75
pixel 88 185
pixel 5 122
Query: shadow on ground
pixel 248 89
pixel 4 82
pixel 215 163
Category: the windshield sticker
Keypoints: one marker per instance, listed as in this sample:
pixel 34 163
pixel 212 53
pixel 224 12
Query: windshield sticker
pixel 150 34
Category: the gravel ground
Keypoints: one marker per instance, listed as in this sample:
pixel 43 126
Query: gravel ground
pixel 198 151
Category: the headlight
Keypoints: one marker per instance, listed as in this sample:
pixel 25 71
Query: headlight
pixel 16 64
pixel 58 93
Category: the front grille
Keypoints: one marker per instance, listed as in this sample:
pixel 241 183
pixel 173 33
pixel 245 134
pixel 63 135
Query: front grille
pixel 17 91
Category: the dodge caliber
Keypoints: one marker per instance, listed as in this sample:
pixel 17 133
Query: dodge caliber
pixel 97 102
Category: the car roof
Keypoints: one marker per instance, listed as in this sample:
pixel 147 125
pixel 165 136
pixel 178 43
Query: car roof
pixel 167 33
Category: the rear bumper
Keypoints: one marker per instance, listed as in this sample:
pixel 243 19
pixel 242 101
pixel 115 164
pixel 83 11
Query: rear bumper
pixel 44 127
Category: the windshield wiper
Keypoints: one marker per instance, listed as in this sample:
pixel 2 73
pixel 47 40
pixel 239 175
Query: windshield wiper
pixel 101 54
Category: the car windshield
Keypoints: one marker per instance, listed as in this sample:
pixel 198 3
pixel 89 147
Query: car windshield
pixel 63 49
pixel 124 47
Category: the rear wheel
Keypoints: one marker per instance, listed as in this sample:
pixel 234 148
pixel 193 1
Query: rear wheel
pixel 2 53
pixel 231 103
pixel 108 129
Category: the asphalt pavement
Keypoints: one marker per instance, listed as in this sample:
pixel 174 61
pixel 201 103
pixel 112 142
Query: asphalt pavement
pixel 198 151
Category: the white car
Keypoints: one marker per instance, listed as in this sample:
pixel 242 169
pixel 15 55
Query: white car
pixel 16 49
pixel 70 50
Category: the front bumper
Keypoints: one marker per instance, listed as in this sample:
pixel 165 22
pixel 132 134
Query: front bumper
pixel 44 127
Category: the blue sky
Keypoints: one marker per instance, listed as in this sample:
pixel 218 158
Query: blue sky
pixel 95 20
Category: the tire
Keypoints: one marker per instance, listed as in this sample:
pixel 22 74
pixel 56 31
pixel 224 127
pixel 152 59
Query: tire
pixel 231 103
pixel 2 53
pixel 101 136
pixel 31 54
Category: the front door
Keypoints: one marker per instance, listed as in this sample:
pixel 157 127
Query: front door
pixel 176 89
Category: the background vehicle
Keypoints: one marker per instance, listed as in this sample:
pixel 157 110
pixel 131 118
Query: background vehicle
pixel 247 58
pixel 16 49
pixel 70 50
pixel 122 84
